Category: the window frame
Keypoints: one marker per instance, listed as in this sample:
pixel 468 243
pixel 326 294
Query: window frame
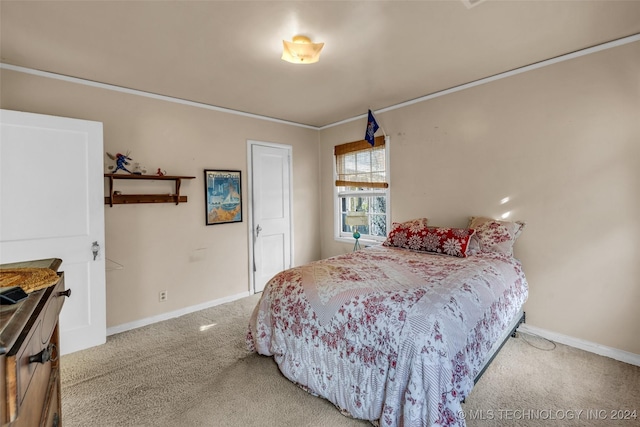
pixel 338 194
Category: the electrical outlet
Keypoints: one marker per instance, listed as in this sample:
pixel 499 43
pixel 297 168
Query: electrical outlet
pixel 162 296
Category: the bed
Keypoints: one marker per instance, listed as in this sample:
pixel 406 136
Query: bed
pixel 396 334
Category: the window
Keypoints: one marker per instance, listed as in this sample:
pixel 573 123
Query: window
pixel 362 186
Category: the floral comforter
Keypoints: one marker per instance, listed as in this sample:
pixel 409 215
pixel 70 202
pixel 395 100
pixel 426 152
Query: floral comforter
pixel 386 334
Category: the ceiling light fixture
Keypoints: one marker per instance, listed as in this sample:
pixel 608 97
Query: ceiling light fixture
pixel 301 50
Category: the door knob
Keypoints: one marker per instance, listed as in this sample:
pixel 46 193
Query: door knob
pixel 95 248
pixel 258 230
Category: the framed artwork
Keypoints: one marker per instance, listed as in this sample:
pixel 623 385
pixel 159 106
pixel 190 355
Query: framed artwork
pixel 223 196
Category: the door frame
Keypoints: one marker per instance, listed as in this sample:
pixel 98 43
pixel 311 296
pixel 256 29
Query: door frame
pixel 289 149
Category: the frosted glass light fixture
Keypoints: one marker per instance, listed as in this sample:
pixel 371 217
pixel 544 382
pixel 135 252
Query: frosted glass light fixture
pixel 301 50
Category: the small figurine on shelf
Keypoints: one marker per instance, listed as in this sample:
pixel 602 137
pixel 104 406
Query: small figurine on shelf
pixel 139 170
pixel 161 172
pixel 121 161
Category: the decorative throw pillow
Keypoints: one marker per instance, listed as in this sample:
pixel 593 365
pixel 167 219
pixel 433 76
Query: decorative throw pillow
pixel 493 235
pixel 407 234
pixel 447 241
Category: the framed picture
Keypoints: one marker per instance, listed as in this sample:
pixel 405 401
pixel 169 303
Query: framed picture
pixel 223 196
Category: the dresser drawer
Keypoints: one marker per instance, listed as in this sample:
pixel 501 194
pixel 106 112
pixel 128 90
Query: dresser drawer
pixel 32 362
pixel 51 312
pixel 31 408
pixel 27 367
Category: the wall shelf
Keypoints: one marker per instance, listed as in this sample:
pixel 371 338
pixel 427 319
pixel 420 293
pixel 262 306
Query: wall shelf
pixel 115 198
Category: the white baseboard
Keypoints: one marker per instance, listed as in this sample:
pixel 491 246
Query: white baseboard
pixel 602 350
pixel 170 315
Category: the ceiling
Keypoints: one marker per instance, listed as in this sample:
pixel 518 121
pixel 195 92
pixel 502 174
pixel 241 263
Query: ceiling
pixel 227 53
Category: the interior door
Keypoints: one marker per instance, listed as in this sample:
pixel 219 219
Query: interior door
pixel 271 212
pixel 52 206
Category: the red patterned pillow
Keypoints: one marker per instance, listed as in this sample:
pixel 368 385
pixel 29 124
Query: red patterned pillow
pixel 447 241
pixel 407 234
pixel 494 235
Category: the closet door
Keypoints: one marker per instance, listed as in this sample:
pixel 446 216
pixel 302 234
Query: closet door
pixel 271 212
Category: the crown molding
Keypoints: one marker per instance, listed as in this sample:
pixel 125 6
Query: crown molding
pixel 582 52
pixel 503 75
pixel 146 94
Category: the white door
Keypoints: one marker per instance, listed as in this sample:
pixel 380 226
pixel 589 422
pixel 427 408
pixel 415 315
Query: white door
pixel 271 211
pixel 52 206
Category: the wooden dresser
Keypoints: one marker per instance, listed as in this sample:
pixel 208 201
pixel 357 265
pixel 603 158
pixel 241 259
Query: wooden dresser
pixel 29 350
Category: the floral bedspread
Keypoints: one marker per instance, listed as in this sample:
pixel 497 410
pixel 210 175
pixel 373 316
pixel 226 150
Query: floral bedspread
pixel 389 335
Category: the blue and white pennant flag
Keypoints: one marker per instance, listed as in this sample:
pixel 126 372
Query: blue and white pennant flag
pixel 372 127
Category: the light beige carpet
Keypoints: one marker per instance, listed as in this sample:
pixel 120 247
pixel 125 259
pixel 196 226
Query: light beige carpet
pixel 195 371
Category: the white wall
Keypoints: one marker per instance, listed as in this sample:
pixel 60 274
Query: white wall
pixel 164 246
pixel 563 143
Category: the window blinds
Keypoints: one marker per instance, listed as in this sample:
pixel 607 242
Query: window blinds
pixel 358 164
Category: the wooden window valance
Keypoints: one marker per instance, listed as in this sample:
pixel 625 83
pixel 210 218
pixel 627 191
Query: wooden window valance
pixel 358 164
